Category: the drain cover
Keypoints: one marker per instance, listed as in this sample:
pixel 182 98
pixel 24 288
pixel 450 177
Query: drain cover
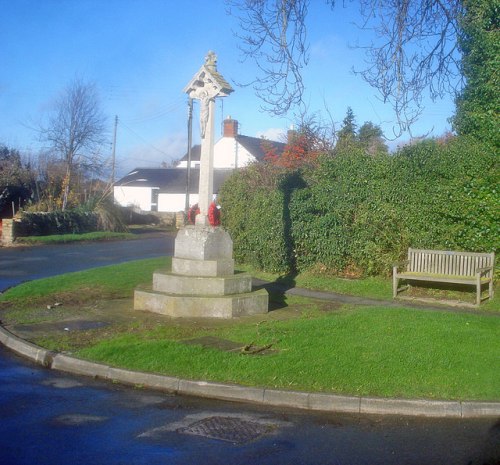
pixel 229 429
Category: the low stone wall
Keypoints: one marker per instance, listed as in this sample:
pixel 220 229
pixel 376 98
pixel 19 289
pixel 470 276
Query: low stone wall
pixel 8 233
pixel 180 220
pixel 166 218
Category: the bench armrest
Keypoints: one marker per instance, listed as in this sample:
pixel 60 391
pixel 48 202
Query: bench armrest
pixel 484 270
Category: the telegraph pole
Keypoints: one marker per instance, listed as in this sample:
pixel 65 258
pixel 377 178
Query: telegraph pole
pixel 114 153
pixel 190 140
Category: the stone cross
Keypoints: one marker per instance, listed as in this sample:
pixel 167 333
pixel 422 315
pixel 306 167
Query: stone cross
pixel 206 85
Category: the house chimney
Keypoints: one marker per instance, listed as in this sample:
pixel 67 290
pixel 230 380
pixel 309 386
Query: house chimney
pixel 291 134
pixel 230 127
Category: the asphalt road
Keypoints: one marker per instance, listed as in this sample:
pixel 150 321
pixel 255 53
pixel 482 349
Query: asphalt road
pixel 52 418
pixel 18 264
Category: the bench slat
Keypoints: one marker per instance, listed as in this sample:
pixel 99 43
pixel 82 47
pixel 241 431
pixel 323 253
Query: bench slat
pixel 439 278
pixel 449 263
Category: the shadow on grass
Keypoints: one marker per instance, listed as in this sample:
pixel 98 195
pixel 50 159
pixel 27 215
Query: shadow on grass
pixel 277 290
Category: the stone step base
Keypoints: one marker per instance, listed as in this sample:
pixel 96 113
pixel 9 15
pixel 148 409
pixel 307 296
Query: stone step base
pixel 170 283
pixel 189 306
pixel 192 267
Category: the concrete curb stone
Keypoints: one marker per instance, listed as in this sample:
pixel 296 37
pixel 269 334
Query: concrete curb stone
pixel 428 408
pixel 480 409
pixel 221 391
pixel 139 378
pixel 334 403
pixel 77 366
pixel 286 398
pixel 27 349
pixel 263 396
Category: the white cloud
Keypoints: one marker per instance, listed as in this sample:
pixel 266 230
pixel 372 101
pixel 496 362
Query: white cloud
pixel 151 155
pixel 276 134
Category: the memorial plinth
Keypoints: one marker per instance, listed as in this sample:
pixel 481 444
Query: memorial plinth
pixel 202 282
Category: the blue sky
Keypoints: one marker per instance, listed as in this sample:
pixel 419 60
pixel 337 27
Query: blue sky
pixel 141 54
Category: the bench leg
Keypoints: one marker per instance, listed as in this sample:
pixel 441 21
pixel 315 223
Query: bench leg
pixel 490 289
pixel 478 291
pixel 395 282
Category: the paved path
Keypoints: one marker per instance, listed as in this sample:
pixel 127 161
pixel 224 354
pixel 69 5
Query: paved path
pixel 355 300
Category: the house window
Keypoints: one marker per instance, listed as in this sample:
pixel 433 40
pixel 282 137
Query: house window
pixel 154 198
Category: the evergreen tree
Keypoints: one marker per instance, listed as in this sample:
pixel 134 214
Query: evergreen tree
pixel 347 133
pixel 478 105
pixel 371 138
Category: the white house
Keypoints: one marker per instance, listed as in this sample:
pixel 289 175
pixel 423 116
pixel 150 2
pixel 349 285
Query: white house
pixel 164 189
pixel 234 150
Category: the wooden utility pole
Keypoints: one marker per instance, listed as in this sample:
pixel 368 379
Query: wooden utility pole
pixel 114 153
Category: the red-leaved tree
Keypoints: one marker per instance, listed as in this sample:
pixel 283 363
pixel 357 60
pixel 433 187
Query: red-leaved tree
pixel 300 151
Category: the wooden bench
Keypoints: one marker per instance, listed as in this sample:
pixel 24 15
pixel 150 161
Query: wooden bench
pixel 475 269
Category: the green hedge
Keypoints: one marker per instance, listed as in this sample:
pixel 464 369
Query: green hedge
pixel 358 214
pixel 251 198
pixel 57 222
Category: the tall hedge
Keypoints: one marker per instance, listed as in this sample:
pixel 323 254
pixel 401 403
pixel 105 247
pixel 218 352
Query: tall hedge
pixel 253 211
pixel 57 222
pixel 358 214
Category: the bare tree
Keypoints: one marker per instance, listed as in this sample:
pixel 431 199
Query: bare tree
pixel 414 49
pixel 76 131
pixel 274 34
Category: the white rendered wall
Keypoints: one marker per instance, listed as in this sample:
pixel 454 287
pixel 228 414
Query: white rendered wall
pixel 228 153
pixel 127 196
pixel 175 202
pixel 184 163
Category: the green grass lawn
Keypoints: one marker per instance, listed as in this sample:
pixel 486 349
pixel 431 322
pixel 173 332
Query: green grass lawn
pixel 368 351
pixel 63 238
pixel 322 347
pixel 23 302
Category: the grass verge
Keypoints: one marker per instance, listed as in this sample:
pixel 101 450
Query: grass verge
pixel 64 238
pixel 27 302
pixel 317 346
pixel 367 352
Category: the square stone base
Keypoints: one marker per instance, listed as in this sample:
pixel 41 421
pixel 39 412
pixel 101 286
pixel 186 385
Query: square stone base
pixel 189 306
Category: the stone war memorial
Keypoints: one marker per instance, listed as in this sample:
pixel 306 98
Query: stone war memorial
pixel 202 282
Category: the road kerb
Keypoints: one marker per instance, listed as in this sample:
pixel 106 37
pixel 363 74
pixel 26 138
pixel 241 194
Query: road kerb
pixel 221 391
pixel 480 409
pixel 334 403
pixel 428 408
pixel 292 399
pixel 148 380
pixel 274 397
pixel 80 367
pixel 26 349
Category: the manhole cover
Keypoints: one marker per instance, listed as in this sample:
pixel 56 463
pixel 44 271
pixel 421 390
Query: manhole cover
pixel 229 429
